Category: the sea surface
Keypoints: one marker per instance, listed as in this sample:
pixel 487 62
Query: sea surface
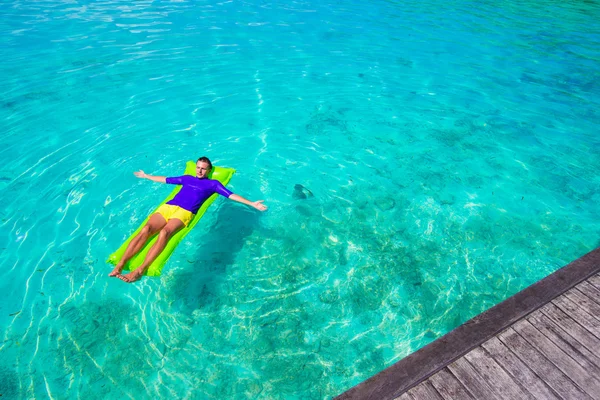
pixel 421 161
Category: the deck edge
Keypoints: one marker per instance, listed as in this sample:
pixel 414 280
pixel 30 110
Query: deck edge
pixel 420 365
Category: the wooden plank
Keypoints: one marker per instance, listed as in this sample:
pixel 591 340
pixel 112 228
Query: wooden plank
pixel 588 305
pixel 584 319
pixel 448 386
pixel 405 396
pixel 501 383
pixel 590 291
pixel 559 358
pixel 568 343
pixel 425 391
pixel 595 280
pixel 519 371
pixel 470 378
pixel 544 369
pixel 577 331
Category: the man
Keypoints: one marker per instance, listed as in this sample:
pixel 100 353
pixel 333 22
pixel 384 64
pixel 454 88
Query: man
pixel 175 214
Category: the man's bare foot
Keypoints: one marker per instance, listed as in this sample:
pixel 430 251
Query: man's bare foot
pixel 116 271
pixel 131 277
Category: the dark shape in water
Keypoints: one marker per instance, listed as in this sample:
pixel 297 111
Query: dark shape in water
pixel 430 334
pixel 300 192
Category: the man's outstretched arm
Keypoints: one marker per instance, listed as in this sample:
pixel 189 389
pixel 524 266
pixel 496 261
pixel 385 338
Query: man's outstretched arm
pixel 256 204
pixel 143 175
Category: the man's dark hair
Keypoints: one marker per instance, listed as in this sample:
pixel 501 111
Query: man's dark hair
pixel 206 160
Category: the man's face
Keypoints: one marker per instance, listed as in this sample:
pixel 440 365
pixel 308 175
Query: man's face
pixel 202 169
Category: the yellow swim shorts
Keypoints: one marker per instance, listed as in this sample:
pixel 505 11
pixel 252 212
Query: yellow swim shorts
pixel 170 211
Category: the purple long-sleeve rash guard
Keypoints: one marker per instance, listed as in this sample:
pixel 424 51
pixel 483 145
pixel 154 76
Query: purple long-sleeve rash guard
pixel 195 191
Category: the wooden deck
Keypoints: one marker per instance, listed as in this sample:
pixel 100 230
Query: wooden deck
pixel 542 343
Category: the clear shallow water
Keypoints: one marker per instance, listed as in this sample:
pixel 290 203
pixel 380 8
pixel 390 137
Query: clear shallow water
pixel 452 150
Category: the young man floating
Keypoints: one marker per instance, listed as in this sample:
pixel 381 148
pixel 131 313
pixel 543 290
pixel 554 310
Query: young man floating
pixel 175 214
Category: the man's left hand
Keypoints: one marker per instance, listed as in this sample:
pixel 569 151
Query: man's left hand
pixel 259 205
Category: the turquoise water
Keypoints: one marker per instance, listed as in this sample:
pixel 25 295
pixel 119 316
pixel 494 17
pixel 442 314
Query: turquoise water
pixel 452 149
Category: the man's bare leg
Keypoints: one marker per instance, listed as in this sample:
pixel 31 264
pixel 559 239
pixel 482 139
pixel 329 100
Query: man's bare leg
pixel 163 237
pixel 155 223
